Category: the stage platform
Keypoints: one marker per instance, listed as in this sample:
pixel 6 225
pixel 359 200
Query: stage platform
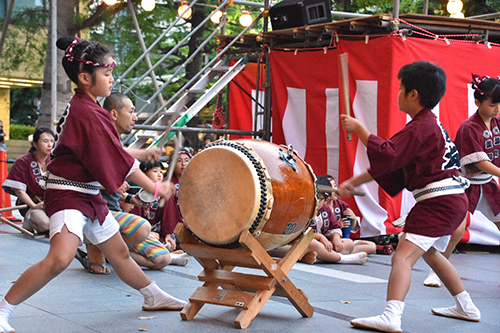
pixel 79 302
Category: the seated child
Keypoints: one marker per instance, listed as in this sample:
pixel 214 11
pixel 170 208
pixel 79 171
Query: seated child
pixel 154 213
pixel 328 242
pixel 350 222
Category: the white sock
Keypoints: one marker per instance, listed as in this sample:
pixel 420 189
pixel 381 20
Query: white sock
pixel 353 258
pixel 394 311
pixel 464 308
pixel 388 321
pixel 150 291
pixel 6 311
pixel 179 259
pixel 432 280
pixel 464 302
pixel 157 299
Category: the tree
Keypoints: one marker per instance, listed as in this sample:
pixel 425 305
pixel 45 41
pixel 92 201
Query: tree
pixel 24 105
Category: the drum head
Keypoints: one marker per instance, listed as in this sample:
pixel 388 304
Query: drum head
pixel 219 195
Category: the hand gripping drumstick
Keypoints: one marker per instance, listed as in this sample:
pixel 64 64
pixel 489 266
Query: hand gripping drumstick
pixel 326 188
pixel 146 196
pixel 344 71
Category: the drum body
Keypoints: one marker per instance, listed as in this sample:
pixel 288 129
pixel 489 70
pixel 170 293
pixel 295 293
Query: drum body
pixel 254 185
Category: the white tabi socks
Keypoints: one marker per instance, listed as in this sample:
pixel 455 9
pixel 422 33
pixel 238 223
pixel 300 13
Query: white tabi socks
pixel 464 309
pixel 6 311
pixel 389 321
pixel 157 299
pixel 432 280
pixel 353 258
pixel 179 259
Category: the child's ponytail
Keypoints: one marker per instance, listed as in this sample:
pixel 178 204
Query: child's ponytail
pixel 82 56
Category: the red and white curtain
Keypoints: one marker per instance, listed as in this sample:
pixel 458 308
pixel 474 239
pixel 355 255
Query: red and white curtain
pixel 306 105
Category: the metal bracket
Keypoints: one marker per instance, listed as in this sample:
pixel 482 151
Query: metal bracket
pixel 288 158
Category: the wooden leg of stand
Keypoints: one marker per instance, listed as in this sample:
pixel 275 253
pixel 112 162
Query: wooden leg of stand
pixel 292 293
pixel 246 316
pixel 192 308
pixel 299 247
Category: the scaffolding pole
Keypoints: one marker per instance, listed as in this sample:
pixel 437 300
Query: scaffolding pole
pixel 197 130
pixel 144 49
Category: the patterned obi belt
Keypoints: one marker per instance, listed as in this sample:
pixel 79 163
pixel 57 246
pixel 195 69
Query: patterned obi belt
pixel 53 182
pixel 455 185
pixel 480 179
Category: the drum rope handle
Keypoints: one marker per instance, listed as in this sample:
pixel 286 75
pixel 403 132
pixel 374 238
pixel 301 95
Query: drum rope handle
pixel 262 181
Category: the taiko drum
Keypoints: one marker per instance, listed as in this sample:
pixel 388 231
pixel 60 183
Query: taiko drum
pixel 253 185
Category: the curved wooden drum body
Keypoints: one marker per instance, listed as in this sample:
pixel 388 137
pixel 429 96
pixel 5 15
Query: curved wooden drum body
pixel 252 185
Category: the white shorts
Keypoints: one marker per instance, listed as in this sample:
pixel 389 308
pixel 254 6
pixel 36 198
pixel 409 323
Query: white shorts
pixel 425 242
pixel 81 226
pixel 484 207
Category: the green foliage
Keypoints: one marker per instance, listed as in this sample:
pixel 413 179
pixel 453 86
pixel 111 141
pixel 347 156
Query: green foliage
pixel 25 44
pixel 23 108
pixel 20 132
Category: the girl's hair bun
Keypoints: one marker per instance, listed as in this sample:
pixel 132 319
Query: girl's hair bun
pixel 63 42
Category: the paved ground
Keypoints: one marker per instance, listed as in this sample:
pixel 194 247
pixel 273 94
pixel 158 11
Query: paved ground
pixel 79 302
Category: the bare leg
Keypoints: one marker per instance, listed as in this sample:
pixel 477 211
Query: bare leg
pixel 335 257
pixel 364 246
pixel 433 280
pixel 403 261
pixel 39 220
pixel 62 250
pixel 445 270
pixel 159 262
pixel 455 239
pixel 323 254
pixel 125 267
pixel 348 245
pixel 95 255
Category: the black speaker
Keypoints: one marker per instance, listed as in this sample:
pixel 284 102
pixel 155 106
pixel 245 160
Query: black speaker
pixel 298 13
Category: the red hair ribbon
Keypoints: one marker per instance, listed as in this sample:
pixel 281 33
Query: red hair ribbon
pixel 71 56
pixel 476 81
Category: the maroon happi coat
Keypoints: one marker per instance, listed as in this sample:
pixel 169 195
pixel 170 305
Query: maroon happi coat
pixel 163 220
pixel 87 149
pixel 476 143
pixel 171 214
pixel 325 222
pixel 419 154
pixel 25 175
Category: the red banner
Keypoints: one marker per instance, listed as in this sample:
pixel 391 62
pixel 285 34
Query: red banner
pixel 242 100
pixel 306 107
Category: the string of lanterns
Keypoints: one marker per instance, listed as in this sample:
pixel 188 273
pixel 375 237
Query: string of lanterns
pixel 147 5
pixel 185 12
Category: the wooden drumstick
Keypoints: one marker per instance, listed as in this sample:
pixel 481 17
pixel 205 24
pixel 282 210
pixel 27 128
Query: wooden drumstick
pixel 171 164
pixel 344 76
pixel 13 208
pixel 15 226
pixel 326 188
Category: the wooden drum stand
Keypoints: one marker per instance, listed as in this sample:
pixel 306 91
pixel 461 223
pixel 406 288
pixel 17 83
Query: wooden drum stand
pixel 247 292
